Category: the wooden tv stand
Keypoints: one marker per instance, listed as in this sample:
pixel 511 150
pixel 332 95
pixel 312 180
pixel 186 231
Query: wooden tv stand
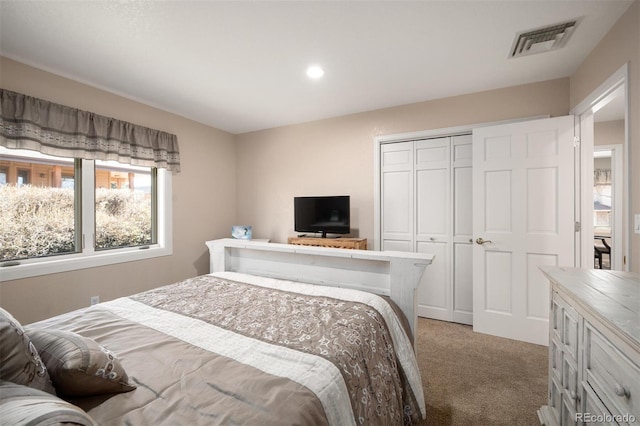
pixel 345 243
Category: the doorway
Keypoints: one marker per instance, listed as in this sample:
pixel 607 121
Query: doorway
pixel 603 126
pixel 607 201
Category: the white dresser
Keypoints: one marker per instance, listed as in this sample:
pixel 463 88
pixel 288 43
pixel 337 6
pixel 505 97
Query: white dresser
pixel 594 347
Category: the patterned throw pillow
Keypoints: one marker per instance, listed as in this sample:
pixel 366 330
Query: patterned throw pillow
pixel 78 365
pixel 22 405
pixel 19 359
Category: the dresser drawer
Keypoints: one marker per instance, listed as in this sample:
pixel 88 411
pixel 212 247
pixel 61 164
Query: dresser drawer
pixel 555 400
pixel 555 359
pixel 570 331
pixel 593 412
pixel 568 413
pixel 613 376
pixel 570 380
pixel 556 317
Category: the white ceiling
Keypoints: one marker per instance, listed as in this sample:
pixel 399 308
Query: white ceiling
pixel 240 66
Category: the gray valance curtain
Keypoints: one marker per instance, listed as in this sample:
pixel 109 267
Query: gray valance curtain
pixel 54 129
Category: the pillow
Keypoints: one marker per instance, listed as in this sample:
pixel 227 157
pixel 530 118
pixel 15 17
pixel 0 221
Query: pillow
pixel 19 359
pixel 78 365
pixel 22 405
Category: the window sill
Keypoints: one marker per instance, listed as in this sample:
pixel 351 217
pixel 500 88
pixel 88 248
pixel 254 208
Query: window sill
pixel 66 263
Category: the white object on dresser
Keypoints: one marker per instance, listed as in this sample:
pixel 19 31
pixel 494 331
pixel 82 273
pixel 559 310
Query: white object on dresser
pixel 386 273
pixel 594 347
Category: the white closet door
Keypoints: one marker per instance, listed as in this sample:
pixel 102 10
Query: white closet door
pixel 433 225
pixel 462 229
pixel 397 196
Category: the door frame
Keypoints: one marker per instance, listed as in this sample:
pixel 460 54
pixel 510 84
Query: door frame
pixel 618 82
pixel 378 141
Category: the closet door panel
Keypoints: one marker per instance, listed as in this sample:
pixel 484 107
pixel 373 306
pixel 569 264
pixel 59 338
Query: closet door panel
pixel 462 150
pixel 432 212
pixel 397 179
pixel 397 245
pixel 432 153
pixel 462 262
pixel 397 204
pixel 462 205
pixel 462 188
pixel 463 283
pixel 397 156
pixel 433 187
pixel 434 290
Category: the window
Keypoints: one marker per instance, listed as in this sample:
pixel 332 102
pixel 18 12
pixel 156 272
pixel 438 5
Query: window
pixel 89 236
pixel 59 214
pixel 23 177
pixel 124 196
pixel 68 181
pixel 36 220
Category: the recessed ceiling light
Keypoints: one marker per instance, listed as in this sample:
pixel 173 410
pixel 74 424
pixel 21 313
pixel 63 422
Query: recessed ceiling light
pixel 314 71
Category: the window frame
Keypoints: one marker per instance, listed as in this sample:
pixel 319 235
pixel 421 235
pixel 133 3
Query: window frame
pixel 87 256
pixel 153 174
pixel 26 175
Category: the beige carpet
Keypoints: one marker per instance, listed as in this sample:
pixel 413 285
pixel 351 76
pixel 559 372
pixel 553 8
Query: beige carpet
pixel 476 379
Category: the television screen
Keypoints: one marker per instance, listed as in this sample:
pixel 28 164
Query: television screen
pixel 326 215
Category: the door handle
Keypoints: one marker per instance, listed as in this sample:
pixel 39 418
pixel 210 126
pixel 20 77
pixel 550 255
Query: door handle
pixel 481 241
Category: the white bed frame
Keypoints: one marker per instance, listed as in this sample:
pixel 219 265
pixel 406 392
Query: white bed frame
pixel 393 274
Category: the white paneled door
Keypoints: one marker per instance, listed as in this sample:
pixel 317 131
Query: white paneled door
pixel 523 217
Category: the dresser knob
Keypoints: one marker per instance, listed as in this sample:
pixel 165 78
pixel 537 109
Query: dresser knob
pixel 620 390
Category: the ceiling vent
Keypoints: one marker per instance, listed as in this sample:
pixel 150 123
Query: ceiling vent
pixel 542 39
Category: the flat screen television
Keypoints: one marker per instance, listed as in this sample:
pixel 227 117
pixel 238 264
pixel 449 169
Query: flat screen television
pixel 325 215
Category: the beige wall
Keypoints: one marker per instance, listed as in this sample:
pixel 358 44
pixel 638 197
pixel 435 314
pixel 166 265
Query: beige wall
pixel 608 132
pixel 335 156
pixel 204 207
pixel 621 45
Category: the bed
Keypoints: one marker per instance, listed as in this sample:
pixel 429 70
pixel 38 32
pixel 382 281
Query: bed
pixel 274 335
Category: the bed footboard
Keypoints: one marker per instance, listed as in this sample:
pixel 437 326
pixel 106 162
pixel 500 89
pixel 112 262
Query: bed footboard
pixel 393 274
